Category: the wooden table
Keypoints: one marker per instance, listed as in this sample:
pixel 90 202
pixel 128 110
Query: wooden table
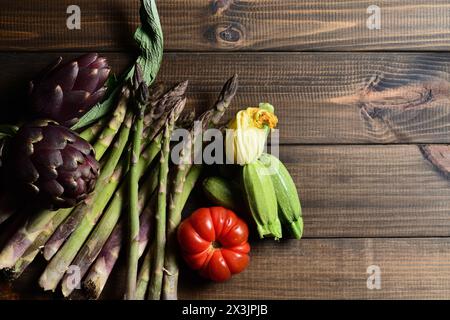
pixel 364 119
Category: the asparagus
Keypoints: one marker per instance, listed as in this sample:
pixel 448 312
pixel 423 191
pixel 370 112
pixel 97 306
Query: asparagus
pixel 104 228
pixel 160 113
pixel 25 236
pixel 141 96
pixel 90 134
pixel 173 220
pixel 35 224
pixel 99 272
pixel 176 204
pixel 165 102
pixel 61 261
pixel 31 253
pixel 144 275
pixel 170 264
pixel 108 134
pixel 224 100
pixel 103 265
pixel 156 275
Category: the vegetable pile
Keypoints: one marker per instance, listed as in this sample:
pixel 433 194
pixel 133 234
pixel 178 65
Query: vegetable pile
pixel 89 171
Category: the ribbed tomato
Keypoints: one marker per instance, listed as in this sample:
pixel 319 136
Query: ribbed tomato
pixel 214 241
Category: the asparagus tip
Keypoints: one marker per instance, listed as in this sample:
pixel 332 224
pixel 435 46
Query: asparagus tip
pixel 230 88
pixel 181 87
pixel 178 108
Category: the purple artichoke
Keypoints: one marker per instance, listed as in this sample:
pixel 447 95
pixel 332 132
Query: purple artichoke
pixel 50 165
pixel 64 93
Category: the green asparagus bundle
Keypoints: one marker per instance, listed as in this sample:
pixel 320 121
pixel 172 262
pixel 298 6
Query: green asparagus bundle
pixel 100 270
pixel 144 274
pixel 141 99
pixel 208 119
pixel 171 101
pixel 156 275
pixel 57 266
pixel 31 253
pixel 93 245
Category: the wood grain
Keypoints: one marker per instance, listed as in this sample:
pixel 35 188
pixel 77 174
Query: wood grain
pixel 369 191
pixel 335 269
pixel 213 25
pixel 326 98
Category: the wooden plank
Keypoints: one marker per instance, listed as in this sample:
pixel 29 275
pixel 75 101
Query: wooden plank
pixel 335 269
pixel 369 191
pixel 325 98
pixel 214 25
pixel 307 269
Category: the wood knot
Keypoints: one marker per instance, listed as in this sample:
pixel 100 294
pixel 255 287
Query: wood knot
pixel 439 157
pixel 226 35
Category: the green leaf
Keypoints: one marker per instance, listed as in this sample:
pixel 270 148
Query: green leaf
pixel 149 38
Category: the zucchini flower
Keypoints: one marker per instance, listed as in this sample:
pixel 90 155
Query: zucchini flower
pixel 246 140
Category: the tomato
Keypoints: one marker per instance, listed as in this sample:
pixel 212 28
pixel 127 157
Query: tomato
pixel 214 242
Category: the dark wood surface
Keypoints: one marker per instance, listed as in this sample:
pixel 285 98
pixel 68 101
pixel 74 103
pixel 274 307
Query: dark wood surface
pixel 321 98
pixel 211 25
pixel 364 133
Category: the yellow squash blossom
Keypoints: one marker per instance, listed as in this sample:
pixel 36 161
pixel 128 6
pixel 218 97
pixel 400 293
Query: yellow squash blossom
pixel 247 139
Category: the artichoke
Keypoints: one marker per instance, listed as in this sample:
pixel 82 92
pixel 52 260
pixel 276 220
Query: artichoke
pixel 64 93
pixel 50 165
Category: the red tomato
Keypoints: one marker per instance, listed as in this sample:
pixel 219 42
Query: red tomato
pixel 214 241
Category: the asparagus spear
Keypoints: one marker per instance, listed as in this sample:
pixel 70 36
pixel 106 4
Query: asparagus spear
pixel 171 264
pixel 209 118
pixel 141 96
pixel 160 113
pixel 160 232
pixel 99 273
pixel 90 134
pixel 108 134
pixel 31 253
pixel 34 225
pixel 144 275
